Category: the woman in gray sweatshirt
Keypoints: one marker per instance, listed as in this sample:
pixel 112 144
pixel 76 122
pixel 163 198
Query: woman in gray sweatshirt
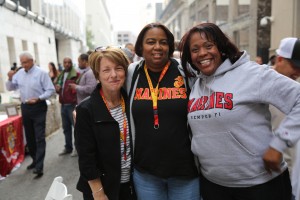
pixel 240 156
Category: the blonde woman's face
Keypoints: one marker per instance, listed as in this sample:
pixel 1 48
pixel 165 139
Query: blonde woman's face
pixel 111 75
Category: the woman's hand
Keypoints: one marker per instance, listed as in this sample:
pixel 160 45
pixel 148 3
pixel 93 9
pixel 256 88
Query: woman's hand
pixel 74 116
pixel 97 189
pixel 100 196
pixel 272 160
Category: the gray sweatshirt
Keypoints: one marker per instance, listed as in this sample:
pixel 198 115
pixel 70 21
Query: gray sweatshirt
pixel 230 121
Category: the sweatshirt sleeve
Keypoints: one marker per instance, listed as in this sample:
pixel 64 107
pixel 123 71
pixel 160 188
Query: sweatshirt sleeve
pixel 283 93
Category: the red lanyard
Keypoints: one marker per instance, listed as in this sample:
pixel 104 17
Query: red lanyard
pixel 123 135
pixel 154 92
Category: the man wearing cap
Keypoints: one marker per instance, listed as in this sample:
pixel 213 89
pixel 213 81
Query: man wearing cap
pixel 288 64
pixel 288 58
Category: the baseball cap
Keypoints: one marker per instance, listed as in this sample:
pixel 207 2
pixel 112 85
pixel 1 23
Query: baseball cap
pixel 290 48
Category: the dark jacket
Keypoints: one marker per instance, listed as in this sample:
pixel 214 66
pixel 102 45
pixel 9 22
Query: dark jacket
pixel 67 95
pixel 97 140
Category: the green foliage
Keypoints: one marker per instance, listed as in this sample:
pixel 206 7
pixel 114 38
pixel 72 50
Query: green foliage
pixel 90 39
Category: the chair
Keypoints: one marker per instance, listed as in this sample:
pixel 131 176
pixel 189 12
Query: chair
pixel 58 190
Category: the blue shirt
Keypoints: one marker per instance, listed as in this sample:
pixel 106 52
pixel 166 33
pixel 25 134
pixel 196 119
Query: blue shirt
pixel 35 83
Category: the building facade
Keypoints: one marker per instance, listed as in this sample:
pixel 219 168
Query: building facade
pixel 50 30
pixel 124 37
pixel 285 21
pixel 239 19
pixel 98 23
pixel 175 15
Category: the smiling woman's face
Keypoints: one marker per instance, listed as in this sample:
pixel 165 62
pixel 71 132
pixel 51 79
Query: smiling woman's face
pixel 111 75
pixel 155 49
pixel 204 54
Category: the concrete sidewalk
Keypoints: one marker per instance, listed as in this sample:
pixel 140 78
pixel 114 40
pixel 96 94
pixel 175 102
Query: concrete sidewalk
pixel 20 185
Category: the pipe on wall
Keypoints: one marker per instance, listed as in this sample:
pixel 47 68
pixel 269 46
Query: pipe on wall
pixel 2 2
pixel 38 18
pixel 22 11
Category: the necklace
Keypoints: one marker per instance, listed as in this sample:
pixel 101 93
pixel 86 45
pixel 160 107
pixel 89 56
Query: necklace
pixel 154 92
pixel 123 135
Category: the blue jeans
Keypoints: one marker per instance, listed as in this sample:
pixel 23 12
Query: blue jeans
pixel 67 124
pixel 149 187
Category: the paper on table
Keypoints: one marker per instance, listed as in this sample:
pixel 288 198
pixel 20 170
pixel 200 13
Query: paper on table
pixel 3 117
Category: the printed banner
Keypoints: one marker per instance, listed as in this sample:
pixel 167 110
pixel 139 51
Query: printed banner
pixel 11 144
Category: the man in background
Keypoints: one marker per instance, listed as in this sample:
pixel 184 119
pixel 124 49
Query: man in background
pixel 272 60
pixel 85 84
pixel 131 47
pixel 68 100
pixel 259 60
pixel 288 64
pixel 35 87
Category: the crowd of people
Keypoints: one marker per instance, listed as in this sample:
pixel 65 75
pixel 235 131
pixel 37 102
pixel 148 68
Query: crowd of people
pixel 196 120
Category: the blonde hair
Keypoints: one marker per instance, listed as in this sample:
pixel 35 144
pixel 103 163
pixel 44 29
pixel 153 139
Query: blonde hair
pixel 115 55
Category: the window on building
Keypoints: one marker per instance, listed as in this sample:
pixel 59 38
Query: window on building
pixel 203 15
pixel 23 3
pixel 24 45
pixel 193 20
pixel 244 7
pixel 36 53
pixel 221 14
pixel 241 38
pixel 11 50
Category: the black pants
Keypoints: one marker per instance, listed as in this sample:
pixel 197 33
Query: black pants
pixel 277 189
pixel 126 193
pixel 34 121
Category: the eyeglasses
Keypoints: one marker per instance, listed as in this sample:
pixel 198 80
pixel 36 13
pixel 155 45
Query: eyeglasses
pixel 100 48
pixel 103 48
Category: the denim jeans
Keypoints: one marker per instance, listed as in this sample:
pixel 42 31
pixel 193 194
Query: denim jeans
pixel 149 187
pixel 67 124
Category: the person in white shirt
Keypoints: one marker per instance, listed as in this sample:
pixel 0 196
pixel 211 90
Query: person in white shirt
pixel 35 87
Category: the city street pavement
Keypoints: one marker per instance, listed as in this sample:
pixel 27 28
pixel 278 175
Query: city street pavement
pixel 20 185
